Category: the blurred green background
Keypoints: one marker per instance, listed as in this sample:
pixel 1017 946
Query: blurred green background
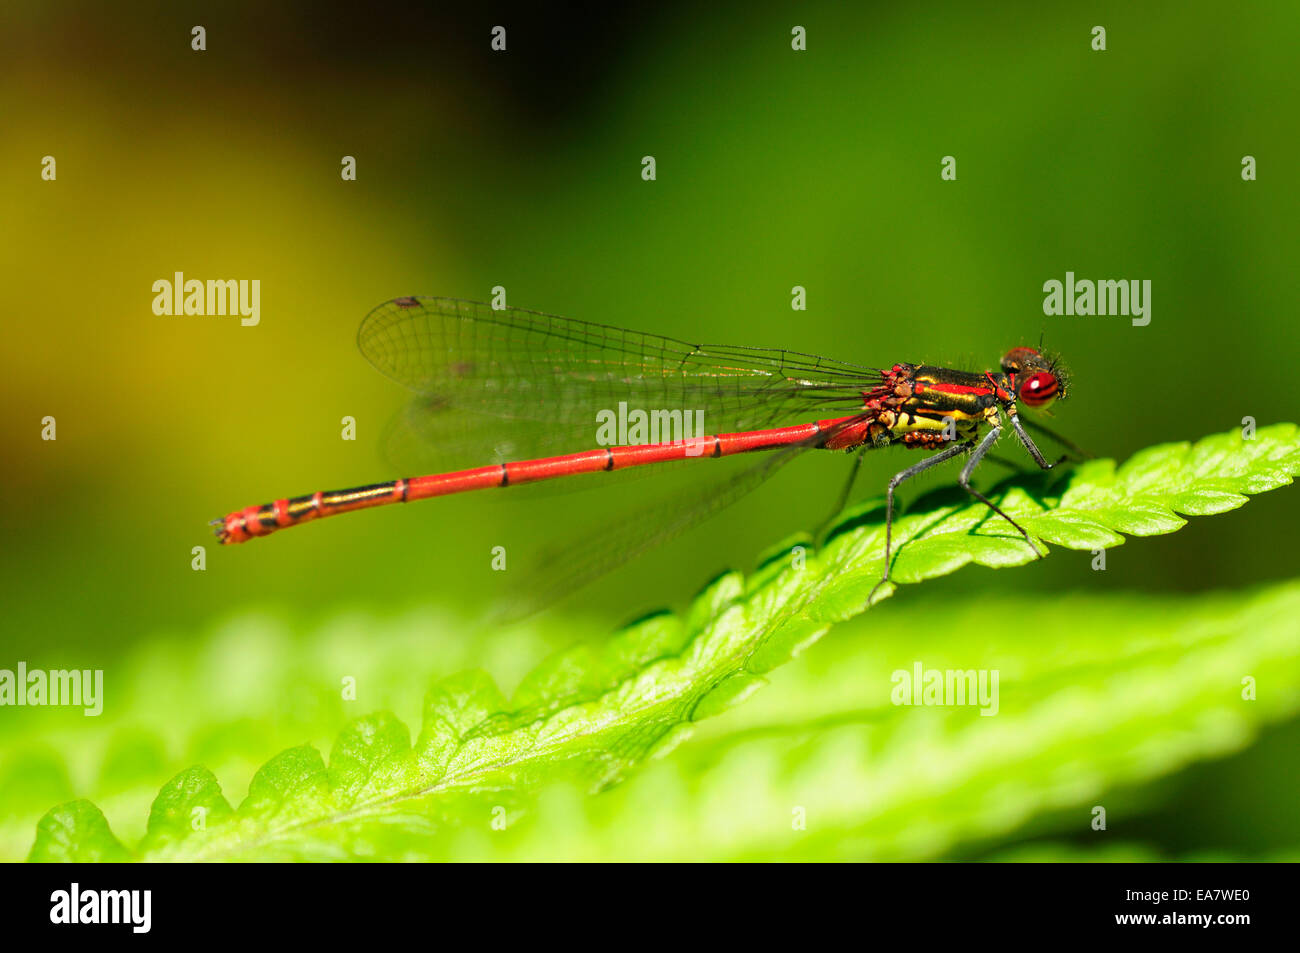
pixel 522 169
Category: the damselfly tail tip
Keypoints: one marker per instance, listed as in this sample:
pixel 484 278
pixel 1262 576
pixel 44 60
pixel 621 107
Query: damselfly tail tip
pixel 220 531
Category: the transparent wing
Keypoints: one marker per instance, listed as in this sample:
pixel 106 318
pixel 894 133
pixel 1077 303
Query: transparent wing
pixel 523 365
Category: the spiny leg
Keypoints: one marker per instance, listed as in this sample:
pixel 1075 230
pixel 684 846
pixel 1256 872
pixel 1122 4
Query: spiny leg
pixel 902 477
pixel 1033 447
pixel 1024 439
pixel 827 523
pixel 973 462
pixel 1034 452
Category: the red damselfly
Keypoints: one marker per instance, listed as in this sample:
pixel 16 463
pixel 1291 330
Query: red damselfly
pixel 526 389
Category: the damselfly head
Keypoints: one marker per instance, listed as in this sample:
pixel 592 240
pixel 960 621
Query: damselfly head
pixel 1039 377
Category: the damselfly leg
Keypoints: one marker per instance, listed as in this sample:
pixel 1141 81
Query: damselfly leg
pixel 894 482
pixel 977 453
pixel 989 439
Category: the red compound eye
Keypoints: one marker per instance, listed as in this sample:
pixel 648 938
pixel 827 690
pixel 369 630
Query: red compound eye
pixel 1039 389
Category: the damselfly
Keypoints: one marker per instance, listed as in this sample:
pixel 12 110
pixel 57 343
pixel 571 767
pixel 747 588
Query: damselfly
pixel 518 387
